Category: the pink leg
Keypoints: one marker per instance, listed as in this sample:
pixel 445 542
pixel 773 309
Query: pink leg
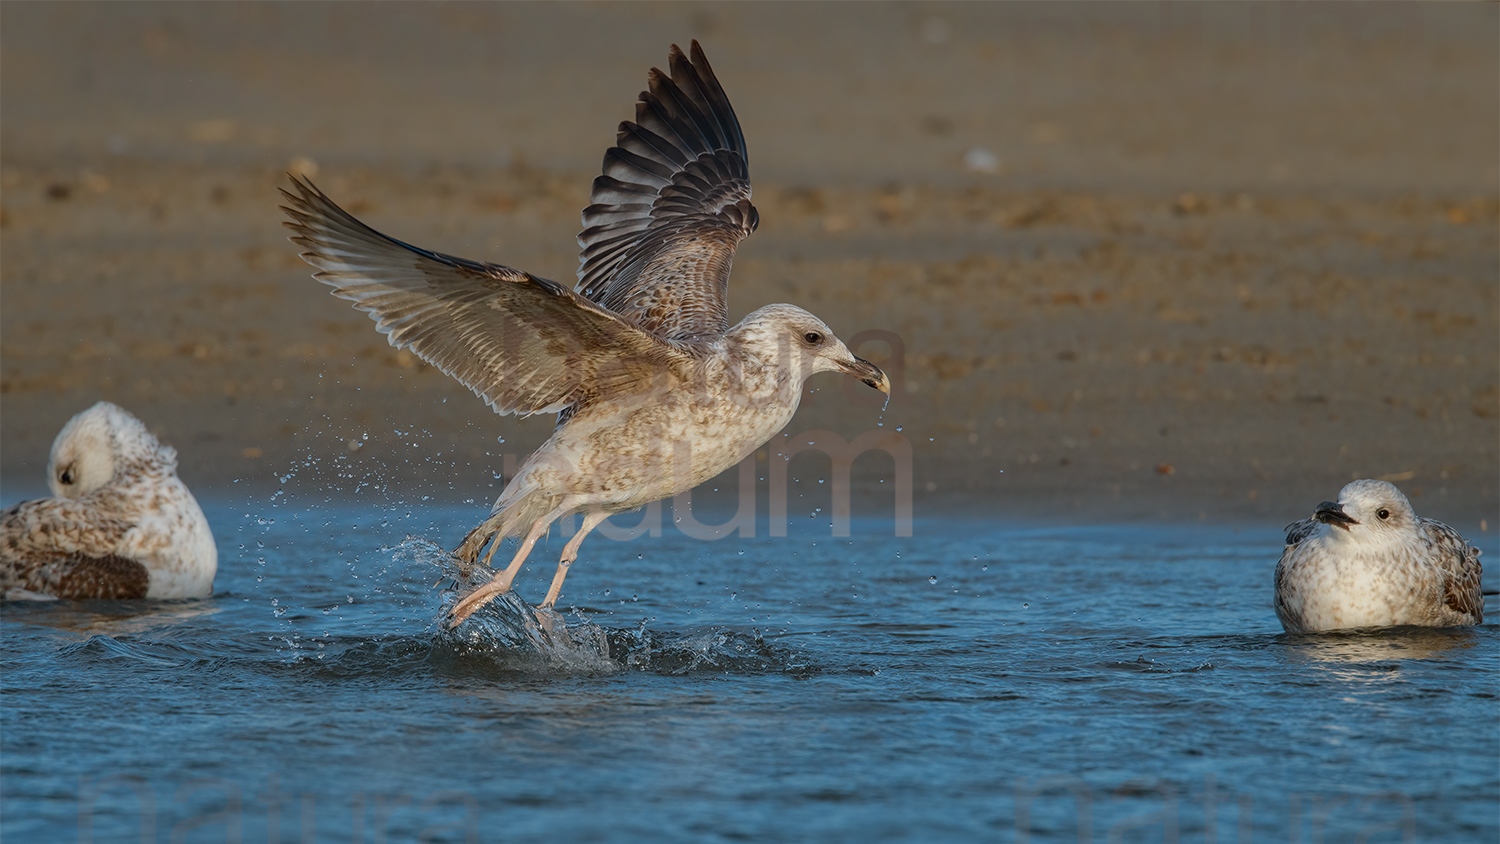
pixel 570 553
pixel 500 583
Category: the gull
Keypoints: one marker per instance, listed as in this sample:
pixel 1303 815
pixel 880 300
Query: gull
pixel 1368 560
pixel 120 524
pixel 655 391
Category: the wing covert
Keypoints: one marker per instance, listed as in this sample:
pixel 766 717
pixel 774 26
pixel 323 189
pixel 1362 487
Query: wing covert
pixel 1459 562
pixel 61 548
pixel 522 343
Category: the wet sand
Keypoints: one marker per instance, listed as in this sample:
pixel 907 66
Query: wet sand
pixel 1123 261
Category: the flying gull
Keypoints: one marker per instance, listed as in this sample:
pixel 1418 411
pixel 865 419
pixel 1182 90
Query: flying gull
pixel 655 392
pixel 120 525
pixel 1367 560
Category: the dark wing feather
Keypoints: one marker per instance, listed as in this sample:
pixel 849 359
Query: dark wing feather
pixel 81 577
pixel 522 343
pixel 672 205
pixel 1298 531
pixel 57 547
pixel 1459 562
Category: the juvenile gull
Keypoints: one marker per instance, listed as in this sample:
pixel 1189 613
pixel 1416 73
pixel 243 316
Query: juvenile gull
pixel 121 524
pixel 655 392
pixel 1367 560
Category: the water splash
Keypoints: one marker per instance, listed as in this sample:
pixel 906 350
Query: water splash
pixel 510 629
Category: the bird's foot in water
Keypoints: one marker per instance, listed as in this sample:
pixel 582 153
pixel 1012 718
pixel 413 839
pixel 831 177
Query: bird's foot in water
pixel 471 602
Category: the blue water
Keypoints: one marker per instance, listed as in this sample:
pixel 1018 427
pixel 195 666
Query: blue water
pixel 978 681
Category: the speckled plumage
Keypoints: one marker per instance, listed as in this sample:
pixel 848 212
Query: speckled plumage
pixel 1368 560
pixel 121 524
pixel 655 392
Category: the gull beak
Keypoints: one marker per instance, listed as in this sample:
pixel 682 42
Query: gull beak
pixel 868 373
pixel 1332 513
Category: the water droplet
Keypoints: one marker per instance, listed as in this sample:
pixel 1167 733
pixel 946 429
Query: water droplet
pixel 932 580
pixel 1026 606
pixel 898 427
pixel 606 593
pixel 985 567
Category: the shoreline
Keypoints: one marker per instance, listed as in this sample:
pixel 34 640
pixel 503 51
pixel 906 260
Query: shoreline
pixel 1228 291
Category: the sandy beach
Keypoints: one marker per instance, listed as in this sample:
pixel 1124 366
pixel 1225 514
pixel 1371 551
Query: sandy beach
pixel 1181 262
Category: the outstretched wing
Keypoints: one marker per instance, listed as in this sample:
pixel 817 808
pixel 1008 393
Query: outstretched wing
pixel 673 203
pixel 522 343
pixel 55 547
pixel 1459 562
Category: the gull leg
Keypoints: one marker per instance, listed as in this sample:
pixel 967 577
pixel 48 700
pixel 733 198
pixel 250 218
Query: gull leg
pixel 500 583
pixel 569 554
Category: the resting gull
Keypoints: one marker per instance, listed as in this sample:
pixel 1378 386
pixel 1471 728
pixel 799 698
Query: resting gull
pixel 1367 560
pixel 655 392
pixel 120 525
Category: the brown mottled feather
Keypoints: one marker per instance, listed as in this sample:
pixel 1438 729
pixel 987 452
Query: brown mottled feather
pixel 522 343
pixel 672 205
pixel 1459 562
pixel 80 577
pixel 61 548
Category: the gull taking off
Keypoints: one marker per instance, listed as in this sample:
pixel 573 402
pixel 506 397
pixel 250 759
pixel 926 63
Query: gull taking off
pixel 1367 560
pixel 121 524
pixel 655 392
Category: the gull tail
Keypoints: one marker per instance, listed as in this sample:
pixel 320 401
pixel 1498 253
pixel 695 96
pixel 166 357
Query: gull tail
pixel 519 507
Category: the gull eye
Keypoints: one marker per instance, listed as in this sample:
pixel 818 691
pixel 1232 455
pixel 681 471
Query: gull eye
pixel 1383 513
pixel 813 338
pixel 66 476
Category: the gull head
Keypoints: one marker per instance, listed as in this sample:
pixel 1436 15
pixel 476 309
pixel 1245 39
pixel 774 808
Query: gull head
pixel 1368 510
pixel 790 336
pixel 96 444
